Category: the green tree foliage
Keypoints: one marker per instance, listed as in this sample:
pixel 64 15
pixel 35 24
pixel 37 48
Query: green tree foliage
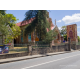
pixel 12 19
pixel 3 24
pixel 65 37
pixel 78 38
pixel 9 32
pixel 13 34
pixel 40 23
pixel 63 32
pixel 2 12
pixel 30 14
pixel 50 36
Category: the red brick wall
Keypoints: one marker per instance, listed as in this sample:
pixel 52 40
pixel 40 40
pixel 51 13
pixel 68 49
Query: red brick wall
pixel 71 32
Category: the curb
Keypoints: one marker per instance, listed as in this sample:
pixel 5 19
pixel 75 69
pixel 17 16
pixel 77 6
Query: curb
pixel 1 62
pixel 14 60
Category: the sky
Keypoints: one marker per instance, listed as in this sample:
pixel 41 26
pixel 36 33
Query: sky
pixel 63 17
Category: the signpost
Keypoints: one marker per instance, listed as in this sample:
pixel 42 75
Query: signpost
pixel 37 39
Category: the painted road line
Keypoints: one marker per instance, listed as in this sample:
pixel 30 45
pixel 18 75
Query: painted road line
pixel 50 61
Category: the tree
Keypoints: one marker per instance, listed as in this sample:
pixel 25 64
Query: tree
pixel 63 32
pixel 2 12
pixel 14 32
pixel 12 19
pixel 3 27
pixel 40 23
pixel 78 38
pixel 51 35
pixel 65 37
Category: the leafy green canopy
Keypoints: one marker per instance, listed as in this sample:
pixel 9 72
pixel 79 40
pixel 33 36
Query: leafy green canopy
pixel 51 35
pixel 3 24
pixel 12 20
pixel 2 12
pixel 30 14
pixel 78 38
pixel 9 32
pixel 64 32
pixel 40 23
pixel 16 31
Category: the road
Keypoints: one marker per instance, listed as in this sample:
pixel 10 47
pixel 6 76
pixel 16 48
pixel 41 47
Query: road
pixel 61 61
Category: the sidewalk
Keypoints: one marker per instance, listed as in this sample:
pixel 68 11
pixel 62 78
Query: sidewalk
pixel 31 57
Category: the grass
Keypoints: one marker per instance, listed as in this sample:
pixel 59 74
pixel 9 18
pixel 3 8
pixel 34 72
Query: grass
pixel 18 50
pixel 10 52
pixel 19 47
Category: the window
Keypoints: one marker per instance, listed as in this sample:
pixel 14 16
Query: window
pixel 71 34
pixel 29 37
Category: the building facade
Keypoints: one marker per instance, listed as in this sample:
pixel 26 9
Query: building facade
pixel 32 37
pixel 72 32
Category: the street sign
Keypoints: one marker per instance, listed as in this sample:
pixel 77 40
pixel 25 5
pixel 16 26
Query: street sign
pixel 37 39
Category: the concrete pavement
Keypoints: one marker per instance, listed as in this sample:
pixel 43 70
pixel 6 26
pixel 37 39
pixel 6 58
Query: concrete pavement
pixel 31 57
pixel 69 60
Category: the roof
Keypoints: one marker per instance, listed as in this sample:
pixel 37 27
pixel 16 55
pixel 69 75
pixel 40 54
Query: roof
pixel 23 23
pixel 56 27
pixel 72 24
pixel 52 26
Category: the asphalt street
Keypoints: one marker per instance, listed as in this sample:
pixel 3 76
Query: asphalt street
pixel 61 61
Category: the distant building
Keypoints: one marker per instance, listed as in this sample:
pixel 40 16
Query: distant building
pixel 30 37
pixel 72 32
pixel 58 37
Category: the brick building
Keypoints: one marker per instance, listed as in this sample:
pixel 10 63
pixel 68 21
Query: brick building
pixel 72 32
pixel 30 37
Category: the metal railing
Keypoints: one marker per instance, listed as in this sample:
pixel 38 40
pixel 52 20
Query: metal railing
pixel 20 45
pixel 40 44
pixel 18 48
pixel 78 43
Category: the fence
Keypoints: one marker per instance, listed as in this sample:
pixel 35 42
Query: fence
pixel 42 47
pixel 38 47
pixel 78 43
pixel 40 44
pixel 18 48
